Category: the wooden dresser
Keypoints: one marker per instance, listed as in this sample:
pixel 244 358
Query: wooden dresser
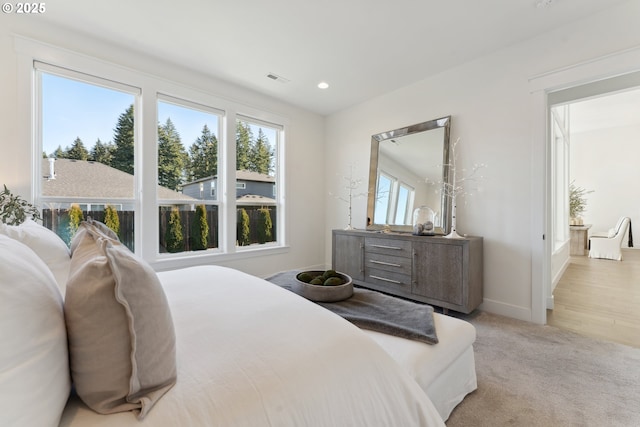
pixel 443 272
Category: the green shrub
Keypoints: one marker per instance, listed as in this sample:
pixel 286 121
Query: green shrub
pixel 174 238
pixel 75 218
pixel 111 219
pixel 243 227
pixel 200 229
pixel 265 226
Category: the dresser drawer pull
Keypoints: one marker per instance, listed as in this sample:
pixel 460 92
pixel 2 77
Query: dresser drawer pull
pixel 395 248
pixel 386 280
pixel 390 264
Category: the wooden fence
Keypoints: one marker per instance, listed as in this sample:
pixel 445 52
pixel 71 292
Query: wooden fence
pixel 58 221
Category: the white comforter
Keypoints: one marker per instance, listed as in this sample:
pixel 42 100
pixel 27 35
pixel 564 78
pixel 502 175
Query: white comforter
pixel 253 354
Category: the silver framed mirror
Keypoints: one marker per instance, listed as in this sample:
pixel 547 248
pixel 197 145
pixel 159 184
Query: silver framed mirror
pixel 408 168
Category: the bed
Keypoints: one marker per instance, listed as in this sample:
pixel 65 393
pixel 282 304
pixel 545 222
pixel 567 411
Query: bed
pixel 245 352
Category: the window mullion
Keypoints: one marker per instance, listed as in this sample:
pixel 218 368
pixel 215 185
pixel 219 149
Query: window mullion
pixel 227 170
pixel 146 161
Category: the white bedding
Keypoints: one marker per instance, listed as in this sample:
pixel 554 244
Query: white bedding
pixel 252 354
pixel 445 371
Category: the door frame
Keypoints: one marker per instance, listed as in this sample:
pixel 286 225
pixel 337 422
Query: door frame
pixel 540 86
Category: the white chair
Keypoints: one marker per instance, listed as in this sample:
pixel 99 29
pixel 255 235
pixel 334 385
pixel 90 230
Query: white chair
pixel 607 245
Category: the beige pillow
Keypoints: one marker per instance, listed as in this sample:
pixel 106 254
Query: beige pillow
pixel 121 337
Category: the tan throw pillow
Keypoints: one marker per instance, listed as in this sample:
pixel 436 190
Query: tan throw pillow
pixel 121 337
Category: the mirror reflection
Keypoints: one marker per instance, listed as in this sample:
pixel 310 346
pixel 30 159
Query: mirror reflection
pixel 408 167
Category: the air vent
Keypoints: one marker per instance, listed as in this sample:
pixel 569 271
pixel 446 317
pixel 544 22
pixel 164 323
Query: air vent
pixel 278 78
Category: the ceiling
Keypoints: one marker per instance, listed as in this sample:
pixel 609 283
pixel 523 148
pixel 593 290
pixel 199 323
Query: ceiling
pixel 362 48
pixel 621 109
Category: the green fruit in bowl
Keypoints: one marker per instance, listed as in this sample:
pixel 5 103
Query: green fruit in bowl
pixel 316 281
pixel 329 273
pixel 305 277
pixel 334 281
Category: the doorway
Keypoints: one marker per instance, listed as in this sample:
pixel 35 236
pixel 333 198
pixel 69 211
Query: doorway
pixel 609 74
pixel 594 297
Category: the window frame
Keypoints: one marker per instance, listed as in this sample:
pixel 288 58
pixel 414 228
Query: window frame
pixel 187 104
pixel 278 188
pixel 40 67
pixel 145 157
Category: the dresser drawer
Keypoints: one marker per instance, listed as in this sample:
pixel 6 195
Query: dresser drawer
pixel 395 264
pixel 389 280
pixel 393 247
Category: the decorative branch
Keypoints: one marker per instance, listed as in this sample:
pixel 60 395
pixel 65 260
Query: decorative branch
pixel 351 186
pixel 458 186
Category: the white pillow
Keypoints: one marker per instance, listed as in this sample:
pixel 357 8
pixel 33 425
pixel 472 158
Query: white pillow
pixel 46 244
pixel 612 233
pixel 34 364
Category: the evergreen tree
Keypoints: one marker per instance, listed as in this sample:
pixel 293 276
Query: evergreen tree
pixel 172 158
pixel 173 237
pixel 203 156
pixel 123 142
pixel 77 150
pixel 243 227
pixel 261 154
pixel 102 153
pixel 200 229
pixel 60 153
pixel 265 226
pixel 244 137
pixel 111 219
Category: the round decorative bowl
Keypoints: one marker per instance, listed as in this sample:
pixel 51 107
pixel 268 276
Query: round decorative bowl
pixel 321 292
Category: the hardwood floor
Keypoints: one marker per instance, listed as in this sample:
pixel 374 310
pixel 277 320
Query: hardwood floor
pixel 600 298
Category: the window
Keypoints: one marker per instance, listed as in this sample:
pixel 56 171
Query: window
pixel 383 200
pixel 394 202
pixel 84 145
pixel 256 181
pixel 174 163
pixel 404 204
pixel 560 175
pixel 187 158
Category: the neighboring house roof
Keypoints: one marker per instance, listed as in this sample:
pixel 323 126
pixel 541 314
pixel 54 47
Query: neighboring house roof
pixel 93 180
pixel 241 175
pixel 244 175
pixel 253 199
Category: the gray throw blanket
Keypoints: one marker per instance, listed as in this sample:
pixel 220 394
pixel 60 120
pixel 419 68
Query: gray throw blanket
pixel 378 312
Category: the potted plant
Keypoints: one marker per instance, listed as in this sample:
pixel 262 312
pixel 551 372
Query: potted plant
pixel 577 203
pixel 14 210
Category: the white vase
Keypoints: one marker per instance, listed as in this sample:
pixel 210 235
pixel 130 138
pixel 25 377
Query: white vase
pixel 453 234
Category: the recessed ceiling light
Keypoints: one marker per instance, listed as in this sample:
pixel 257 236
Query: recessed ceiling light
pixel 323 85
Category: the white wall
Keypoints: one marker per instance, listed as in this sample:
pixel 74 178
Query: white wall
pixel 607 161
pixel 304 137
pixel 491 107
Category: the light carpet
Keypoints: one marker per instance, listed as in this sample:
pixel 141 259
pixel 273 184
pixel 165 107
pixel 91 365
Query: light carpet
pixel 533 375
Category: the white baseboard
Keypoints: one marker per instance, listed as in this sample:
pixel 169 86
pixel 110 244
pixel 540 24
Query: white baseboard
pixel 556 279
pixel 507 310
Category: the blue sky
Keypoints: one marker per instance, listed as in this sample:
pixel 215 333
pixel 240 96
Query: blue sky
pixel 73 109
